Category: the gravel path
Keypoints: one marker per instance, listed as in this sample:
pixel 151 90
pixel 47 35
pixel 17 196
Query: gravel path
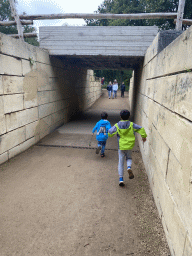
pixel 60 198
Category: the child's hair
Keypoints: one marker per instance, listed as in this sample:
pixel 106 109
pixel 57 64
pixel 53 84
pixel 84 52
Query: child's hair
pixel 104 115
pixel 124 114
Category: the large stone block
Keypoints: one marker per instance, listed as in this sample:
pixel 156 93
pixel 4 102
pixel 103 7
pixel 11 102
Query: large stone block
pixel 58 116
pixel 54 84
pixel 48 120
pixel 1 85
pixel 178 181
pixel 10 65
pixel 162 90
pixel 2 112
pixel 55 96
pixel 154 112
pixel 148 90
pixel 152 51
pixel 172 220
pixel 161 41
pixel 2 125
pixel 17 48
pixel 168 236
pixel 22 147
pixel 43 97
pixel 42 55
pixel 45 110
pixel 3 157
pixel 12 139
pixel 12 84
pixel 43 82
pixel 31 130
pixel 28 67
pixel 175 58
pixel 43 128
pixel 30 91
pixel 21 118
pixel 58 105
pixel 183 97
pixel 2 117
pixel 188 247
pixel 176 132
pixel 160 149
pixel 13 103
pixel 56 125
pixel 45 69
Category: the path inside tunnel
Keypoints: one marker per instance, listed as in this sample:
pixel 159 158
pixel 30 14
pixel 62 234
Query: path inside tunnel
pixel 60 198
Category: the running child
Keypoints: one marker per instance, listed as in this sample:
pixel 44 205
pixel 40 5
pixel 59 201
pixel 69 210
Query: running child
pixel 102 128
pixel 125 131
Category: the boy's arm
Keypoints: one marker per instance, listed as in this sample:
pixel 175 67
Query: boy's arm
pixel 108 126
pixel 140 130
pixel 112 131
pixel 95 128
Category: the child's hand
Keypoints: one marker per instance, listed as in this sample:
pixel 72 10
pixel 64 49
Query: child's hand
pixel 144 139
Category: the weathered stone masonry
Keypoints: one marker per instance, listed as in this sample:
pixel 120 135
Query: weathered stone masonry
pixel 37 94
pixel 164 108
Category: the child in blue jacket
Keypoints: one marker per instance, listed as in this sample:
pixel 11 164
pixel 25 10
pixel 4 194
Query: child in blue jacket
pixel 102 128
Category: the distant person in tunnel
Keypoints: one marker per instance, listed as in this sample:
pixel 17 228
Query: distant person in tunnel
pixel 122 89
pixel 115 89
pixel 125 131
pixel 109 89
pixel 102 81
pixel 102 128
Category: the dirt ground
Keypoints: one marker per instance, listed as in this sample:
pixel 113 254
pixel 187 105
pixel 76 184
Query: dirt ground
pixel 60 198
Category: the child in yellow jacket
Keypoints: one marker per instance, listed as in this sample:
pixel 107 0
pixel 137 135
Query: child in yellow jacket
pixel 125 131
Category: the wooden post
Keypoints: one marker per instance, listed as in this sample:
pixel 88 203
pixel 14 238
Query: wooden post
pixel 185 21
pixel 10 23
pixel 135 16
pixel 17 19
pixel 180 14
pixel 26 35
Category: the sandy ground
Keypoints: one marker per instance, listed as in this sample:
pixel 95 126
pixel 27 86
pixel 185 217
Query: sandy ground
pixel 60 198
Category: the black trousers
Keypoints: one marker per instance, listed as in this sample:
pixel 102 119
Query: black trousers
pixel 122 93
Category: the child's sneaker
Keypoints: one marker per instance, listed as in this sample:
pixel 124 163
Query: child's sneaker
pixel 102 155
pixel 121 182
pixel 131 176
pixel 98 149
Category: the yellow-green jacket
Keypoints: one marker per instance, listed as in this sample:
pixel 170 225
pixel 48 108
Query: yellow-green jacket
pixel 125 131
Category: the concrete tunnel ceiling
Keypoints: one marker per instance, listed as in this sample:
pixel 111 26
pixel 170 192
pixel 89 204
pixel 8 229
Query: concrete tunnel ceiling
pixel 116 47
pixel 102 62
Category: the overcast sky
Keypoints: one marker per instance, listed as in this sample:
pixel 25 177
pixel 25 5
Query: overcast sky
pixel 58 6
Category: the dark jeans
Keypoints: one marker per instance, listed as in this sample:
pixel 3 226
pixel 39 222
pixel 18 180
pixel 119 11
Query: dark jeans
pixel 102 144
pixel 122 93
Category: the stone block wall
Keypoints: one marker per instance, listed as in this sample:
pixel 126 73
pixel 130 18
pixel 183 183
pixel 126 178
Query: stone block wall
pixel 164 109
pixel 37 94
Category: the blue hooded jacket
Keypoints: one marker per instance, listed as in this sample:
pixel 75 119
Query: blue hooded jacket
pixel 102 128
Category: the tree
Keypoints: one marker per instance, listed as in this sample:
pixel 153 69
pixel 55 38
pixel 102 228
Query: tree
pixel 5 15
pixel 140 6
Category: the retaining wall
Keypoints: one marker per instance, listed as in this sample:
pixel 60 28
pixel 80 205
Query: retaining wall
pixel 164 109
pixel 37 94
